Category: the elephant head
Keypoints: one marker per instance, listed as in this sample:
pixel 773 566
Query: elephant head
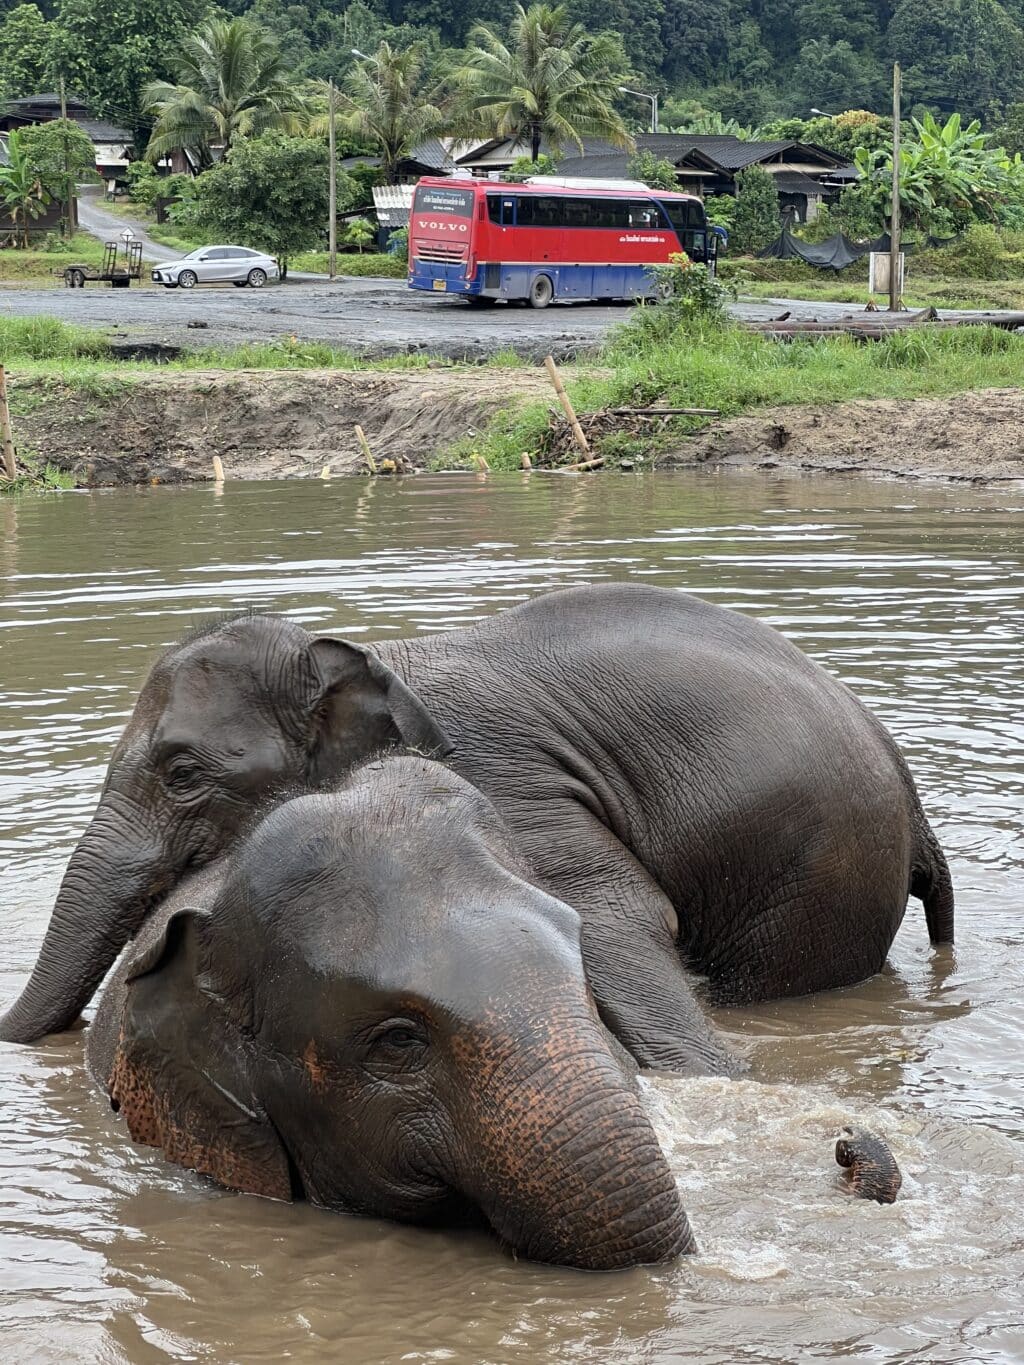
pixel 239 711
pixel 382 1013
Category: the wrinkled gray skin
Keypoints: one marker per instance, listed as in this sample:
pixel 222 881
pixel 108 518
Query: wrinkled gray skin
pixel 375 1007
pixel 708 799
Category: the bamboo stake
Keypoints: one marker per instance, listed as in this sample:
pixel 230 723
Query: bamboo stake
pixel 218 469
pixel 325 473
pixel 481 464
pixel 6 438
pixel 525 462
pixel 364 446
pixel 567 407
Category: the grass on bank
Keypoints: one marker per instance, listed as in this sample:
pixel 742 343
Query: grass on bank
pixel 44 264
pixel 721 366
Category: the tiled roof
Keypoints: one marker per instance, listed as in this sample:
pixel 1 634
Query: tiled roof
pixel 98 130
pixel 431 153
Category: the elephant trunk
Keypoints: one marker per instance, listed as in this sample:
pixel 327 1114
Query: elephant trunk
pixel 565 1164
pixel 106 891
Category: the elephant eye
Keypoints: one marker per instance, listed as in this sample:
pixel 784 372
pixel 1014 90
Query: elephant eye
pixel 397 1043
pixel 183 775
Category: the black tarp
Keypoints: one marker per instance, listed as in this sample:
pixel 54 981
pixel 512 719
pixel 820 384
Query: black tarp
pixel 837 252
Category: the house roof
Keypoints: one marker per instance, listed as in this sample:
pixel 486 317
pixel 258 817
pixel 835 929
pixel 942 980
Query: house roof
pixel 795 182
pixel 99 130
pixel 433 154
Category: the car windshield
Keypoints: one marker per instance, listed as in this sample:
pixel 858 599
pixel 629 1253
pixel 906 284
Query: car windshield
pixel 193 254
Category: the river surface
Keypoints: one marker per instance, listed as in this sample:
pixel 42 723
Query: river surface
pixel 913 595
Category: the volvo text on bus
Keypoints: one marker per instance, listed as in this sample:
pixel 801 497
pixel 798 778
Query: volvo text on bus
pixel 549 238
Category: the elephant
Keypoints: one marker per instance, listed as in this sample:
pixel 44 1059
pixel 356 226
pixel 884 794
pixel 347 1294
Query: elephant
pixel 724 815
pixel 372 1004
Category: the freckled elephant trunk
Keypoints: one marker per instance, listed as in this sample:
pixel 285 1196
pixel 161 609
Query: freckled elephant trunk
pixel 107 888
pixel 567 1167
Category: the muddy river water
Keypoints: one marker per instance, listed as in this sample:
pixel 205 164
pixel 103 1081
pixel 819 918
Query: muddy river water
pixel 914 595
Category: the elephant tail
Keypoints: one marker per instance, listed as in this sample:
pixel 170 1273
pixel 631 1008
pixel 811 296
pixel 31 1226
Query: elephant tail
pixel 930 882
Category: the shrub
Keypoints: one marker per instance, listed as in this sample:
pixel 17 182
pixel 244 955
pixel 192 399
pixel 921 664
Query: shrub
pixel 755 221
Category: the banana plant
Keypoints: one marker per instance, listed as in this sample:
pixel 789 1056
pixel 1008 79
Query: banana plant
pixel 22 192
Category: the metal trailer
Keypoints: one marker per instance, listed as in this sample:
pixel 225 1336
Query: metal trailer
pixel 117 275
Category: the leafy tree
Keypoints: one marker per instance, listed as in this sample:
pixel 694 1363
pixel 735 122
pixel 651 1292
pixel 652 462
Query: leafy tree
pixel 109 50
pixel 755 221
pixel 964 54
pixel 232 82
pixel 656 172
pixel 523 167
pixel 547 80
pixel 270 192
pixel 58 149
pixel 24 52
pixel 386 104
pixel 359 233
pixel 1009 132
pixel 22 192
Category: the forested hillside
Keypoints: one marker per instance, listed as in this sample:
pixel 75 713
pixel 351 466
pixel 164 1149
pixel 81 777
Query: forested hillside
pixel 752 60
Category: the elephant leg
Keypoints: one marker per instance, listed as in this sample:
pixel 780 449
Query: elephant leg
pixel 643 993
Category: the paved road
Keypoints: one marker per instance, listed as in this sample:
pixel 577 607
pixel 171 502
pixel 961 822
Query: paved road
pixel 107 226
pixel 373 317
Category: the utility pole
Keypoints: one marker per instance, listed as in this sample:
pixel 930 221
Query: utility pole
pixel 332 226
pixel 895 301
pixel 67 225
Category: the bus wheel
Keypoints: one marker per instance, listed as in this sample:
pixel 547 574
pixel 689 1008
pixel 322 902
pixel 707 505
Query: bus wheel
pixel 542 291
pixel 663 291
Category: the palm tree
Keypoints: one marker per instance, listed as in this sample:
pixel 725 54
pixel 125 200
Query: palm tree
pixel 21 190
pixel 548 80
pixel 385 103
pixel 232 82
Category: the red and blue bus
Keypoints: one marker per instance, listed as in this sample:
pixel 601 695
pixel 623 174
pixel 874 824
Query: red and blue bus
pixel 549 238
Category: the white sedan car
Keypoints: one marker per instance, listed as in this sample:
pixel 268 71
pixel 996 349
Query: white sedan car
pixel 236 265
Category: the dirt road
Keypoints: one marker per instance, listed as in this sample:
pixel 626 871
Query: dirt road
pixel 374 317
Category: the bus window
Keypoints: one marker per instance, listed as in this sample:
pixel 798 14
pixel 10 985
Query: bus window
pixel 438 199
pixel 686 214
pixel 578 213
pixel 646 215
pixel 501 210
pixel 609 213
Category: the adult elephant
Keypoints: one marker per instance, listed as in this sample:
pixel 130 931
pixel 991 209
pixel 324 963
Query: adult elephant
pixel 372 1005
pixel 706 797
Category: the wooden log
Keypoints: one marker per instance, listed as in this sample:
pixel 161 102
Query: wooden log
pixel 364 446
pixel 575 468
pixel 6 435
pixel 567 407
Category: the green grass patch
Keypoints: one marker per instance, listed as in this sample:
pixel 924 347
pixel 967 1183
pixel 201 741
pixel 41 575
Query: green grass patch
pixel 44 264
pixel 370 263
pixel 42 338
pixel 734 371
pixel 36 477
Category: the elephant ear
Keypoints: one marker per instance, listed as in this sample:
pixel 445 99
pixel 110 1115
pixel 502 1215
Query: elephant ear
pixel 179 1075
pixel 364 706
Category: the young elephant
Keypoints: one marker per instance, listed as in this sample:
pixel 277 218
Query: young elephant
pixel 380 1010
pixel 706 797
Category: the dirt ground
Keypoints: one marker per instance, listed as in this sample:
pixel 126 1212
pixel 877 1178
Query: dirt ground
pixel 168 426
pixel 971 437
pixel 265 424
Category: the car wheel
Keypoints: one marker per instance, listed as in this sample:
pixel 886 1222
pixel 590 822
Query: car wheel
pixel 257 279
pixel 188 279
pixel 542 291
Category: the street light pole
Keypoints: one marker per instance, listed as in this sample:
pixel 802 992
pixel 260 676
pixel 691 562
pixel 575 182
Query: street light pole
pixel 332 225
pixel 894 225
pixel 642 95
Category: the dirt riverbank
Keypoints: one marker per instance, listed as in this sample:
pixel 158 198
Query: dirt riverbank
pixel 968 437
pixel 267 424
pixel 166 427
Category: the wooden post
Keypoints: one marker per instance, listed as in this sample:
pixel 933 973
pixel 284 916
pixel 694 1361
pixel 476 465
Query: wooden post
pixel 567 407
pixel 332 226
pixel 894 224
pixel 525 462
pixel 67 226
pixel 364 446
pixel 6 439
pixel 218 469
